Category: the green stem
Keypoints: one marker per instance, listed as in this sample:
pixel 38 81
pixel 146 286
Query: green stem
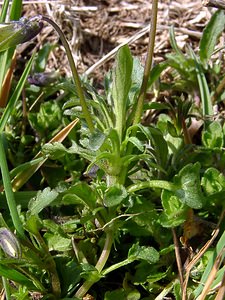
pixel 161 184
pixel 148 63
pixel 116 266
pixel 99 266
pixel 76 78
pixel 9 192
pixel 51 267
pixel 144 85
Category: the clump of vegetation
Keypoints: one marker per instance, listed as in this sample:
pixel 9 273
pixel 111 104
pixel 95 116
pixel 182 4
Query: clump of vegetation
pixel 96 204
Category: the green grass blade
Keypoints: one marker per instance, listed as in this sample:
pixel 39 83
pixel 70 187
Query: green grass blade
pixel 5 7
pixel 12 274
pixel 8 191
pixel 16 9
pixel 207 107
pixel 7 112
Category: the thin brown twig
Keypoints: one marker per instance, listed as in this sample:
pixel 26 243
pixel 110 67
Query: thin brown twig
pixel 200 254
pixel 221 293
pixel 211 276
pixel 214 3
pixel 178 258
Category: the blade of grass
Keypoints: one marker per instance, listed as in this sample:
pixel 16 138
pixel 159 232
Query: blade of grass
pixel 15 96
pixel 16 8
pixel 221 293
pixel 9 192
pixel 207 108
pixel 4 93
pixel 196 258
pixel 5 7
pixel 212 275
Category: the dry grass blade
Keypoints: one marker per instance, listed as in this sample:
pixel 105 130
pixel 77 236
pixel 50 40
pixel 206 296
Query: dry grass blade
pixel 221 292
pixel 178 258
pixel 5 89
pixel 214 3
pixel 200 254
pixel 212 276
pixel 105 58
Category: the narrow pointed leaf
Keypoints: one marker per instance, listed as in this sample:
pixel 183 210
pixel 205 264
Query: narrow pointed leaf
pixel 210 35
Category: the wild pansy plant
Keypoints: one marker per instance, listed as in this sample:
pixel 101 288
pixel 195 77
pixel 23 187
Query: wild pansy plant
pixel 72 237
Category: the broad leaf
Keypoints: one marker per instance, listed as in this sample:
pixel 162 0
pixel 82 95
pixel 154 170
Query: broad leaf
pixel 174 212
pixel 190 192
pixel 212 136
pixel 148 254
pixel 43 199
pixel 80 193
pixel 213 181
pixel 114 195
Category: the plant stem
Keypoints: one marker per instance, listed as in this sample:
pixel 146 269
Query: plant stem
pixel 99 266
pixel 144 85
pixel 9 192
pixel 76 78
pixel 148 63
pixel 162 184
pixel 116 266
pixel 51 267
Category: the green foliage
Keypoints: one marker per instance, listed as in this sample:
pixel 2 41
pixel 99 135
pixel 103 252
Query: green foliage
pixel 210 35
pixel 99 207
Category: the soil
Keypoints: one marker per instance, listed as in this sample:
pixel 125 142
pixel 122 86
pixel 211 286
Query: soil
pixel 95 28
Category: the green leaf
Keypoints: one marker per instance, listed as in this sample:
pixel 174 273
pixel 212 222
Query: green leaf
pixel 114 195
pixel 148 254
pixel 213 181
pixel 160 145
pixel 90 273
pixel 19 32
pixel 210 35
pixel 212 136
pixel 57 243
pixel 43 199
pixel 156 72
pixel 15 96
pixel 69 272
pixel 136 142
pixel 122 294
pixel 96 140
pixel 117 294
pixel 12 274
pixel 207 107
pixel 174 212
pixel 16 9
pixel 122 75
pixel 190 192
pixel 42 58
pixel 80 193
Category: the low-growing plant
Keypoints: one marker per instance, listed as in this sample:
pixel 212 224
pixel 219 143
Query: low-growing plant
pixel 104 223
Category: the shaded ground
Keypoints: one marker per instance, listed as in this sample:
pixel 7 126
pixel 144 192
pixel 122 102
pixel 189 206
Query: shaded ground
pixel 94 28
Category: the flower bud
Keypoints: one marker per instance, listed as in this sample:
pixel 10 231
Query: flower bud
pixel 43 79
pixel 18 32
pixel 9 243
